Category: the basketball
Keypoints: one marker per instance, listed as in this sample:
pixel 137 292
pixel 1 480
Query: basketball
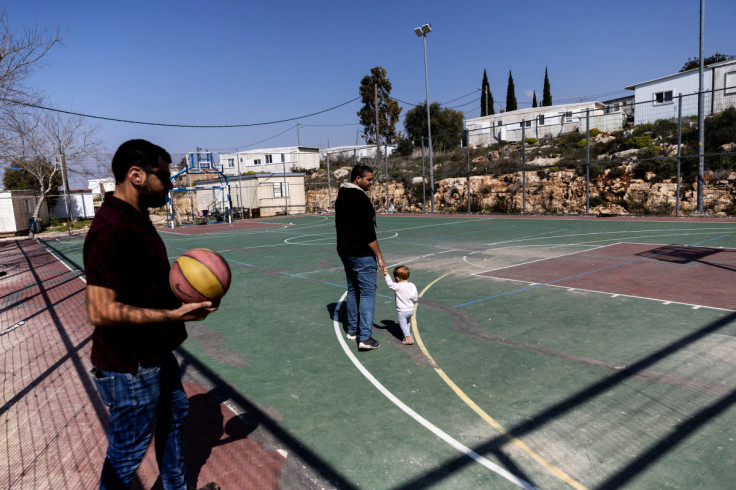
pixel 200 275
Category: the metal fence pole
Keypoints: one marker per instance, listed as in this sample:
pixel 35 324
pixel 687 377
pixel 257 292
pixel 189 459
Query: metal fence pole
pixel 679 152
pixel 523 167
pixel 329 193
pixel 467 153
pixel 385 151
pixel 424 181
pixel 587 161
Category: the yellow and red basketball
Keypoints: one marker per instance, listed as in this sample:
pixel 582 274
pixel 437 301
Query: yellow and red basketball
pixel 200 275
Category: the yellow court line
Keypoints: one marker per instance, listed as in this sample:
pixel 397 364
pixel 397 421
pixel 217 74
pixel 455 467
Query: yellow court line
pixel 490 420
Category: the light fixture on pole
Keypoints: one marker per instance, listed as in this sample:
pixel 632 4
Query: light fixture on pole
pixel 422 32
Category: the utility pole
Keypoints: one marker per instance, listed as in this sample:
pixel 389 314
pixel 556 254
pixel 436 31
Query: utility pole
pixel 378 137
pixel 65 182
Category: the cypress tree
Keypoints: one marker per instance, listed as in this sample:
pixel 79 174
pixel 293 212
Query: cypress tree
pixel 547 94
pixel 510 95
pixel 485 91
pixel 534 99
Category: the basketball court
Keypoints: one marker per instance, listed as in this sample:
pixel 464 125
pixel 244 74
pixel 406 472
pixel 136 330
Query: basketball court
pixel 551 353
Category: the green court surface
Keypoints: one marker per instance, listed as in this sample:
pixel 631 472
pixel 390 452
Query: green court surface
pixel 553 353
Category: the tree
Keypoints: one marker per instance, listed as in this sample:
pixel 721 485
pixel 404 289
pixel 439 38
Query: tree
pixel 510 95
pixel 388 109
pixel 693 63
pixel 46 143
pixel 534 99
pixel 486 97
pixel 547 92
pixel 19 54
pixel 447 125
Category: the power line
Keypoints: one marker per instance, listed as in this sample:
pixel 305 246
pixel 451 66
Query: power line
pixel 10 101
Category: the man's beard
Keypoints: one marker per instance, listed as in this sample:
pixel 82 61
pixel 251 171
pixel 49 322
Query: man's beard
pixel 152 199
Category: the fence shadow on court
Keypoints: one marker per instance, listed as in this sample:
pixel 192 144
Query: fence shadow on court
pixel 625 474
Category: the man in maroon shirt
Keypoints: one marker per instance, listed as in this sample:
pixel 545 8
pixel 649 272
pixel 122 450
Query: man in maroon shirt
pixel 138 321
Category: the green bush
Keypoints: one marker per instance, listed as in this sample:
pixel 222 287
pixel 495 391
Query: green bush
pixel 594 132
pixel 638 141
pixel 531 141
pixel 583 143
pixel 596 201
pixel 554 169
pixel 405 147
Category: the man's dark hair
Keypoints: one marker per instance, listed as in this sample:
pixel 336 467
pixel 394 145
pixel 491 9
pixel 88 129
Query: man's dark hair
pixel 136 153
pixel 360 170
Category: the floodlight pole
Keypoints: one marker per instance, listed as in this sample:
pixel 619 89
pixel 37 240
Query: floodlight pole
pixel 422 31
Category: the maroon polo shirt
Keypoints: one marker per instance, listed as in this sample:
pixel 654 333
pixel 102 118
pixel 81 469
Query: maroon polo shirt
pixel 123 252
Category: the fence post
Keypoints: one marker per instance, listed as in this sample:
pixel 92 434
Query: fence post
pixel 523 166
pixel 679 152
pixel 587 161
pixel 467 153
pixel 385 151
pixel 424 181
pixel 329 192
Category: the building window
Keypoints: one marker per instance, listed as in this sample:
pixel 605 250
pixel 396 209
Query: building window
pixel 269 158
pixel 663 97
pixel 283 158
pixel 528 124
pixel 28 205
pixel 541 119
pixel 280 189
pixel 499 123
pixel 730 83
pixel 241 159
pixel 566 117
pixel 231 162
pixel 257 161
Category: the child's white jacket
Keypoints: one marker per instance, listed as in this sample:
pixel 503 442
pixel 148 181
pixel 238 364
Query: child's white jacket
pixel 406 293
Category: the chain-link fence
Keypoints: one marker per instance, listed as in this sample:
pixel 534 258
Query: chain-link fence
pixel 640 158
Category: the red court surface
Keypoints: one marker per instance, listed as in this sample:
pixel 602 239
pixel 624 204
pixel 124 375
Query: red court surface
pixel 54 424
pixel 699 276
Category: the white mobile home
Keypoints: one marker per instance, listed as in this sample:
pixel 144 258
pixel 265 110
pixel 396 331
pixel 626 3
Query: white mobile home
pixel 657 99
pixel 270 160
pixel 254 195
pixel 16 210
pixel 82 206
pixel 540 122
pixel 357 151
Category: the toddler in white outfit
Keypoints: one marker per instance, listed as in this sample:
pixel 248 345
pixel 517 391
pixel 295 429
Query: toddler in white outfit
pixel 406 296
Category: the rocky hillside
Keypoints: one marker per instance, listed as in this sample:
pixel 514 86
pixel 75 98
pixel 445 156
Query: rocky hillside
pixel 632 172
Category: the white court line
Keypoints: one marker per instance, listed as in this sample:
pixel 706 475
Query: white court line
pixel 615 295
pixel 540 260
pixel 424 422
pixel 65 265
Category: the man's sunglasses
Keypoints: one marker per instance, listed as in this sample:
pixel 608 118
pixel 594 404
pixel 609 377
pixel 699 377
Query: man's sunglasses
pixel 163 175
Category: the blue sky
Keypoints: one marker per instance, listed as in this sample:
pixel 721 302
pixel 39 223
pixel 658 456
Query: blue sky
pixel 228 62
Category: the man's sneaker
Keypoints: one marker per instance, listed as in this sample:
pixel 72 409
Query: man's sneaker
pixel 368 344
pixel 351 336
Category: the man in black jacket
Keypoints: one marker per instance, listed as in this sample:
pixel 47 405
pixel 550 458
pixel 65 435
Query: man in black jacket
pixel 357 246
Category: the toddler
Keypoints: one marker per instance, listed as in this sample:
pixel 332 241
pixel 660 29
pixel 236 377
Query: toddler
pixel 406 296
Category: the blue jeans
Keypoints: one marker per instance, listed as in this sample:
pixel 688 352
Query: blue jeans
pixel 361 299
pixel 134 402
